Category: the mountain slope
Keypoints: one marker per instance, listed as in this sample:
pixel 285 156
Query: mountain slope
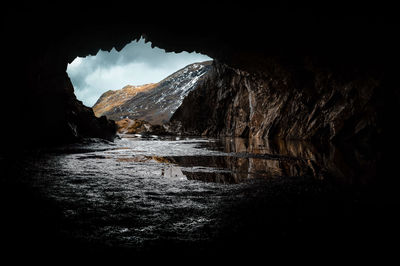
pixel 110 100
pixel 154 103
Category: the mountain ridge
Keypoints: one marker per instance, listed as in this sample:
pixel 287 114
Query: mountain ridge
pixel 153 102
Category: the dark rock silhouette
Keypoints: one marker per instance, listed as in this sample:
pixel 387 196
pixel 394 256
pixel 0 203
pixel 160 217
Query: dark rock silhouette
pixel 285 101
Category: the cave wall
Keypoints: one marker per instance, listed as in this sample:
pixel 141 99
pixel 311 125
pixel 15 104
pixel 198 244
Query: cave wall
pixel 40 107
pixel 260 52
pixel 288 100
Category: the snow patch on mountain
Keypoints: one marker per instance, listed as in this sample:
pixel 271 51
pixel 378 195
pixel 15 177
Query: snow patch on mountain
pixel 157 103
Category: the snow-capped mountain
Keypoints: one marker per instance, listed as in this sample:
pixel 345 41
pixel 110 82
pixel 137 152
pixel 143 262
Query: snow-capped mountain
pixel 154 103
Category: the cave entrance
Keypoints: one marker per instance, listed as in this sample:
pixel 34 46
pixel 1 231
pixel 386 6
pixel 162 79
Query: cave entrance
pixel 139 86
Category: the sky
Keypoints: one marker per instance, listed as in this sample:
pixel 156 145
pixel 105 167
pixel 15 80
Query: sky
pixel 136 64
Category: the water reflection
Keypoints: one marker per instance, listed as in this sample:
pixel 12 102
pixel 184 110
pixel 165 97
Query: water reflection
pixel 234 160
pixel 173 172
pixel 257 158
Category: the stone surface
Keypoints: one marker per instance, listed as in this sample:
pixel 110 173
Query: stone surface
pixel 285 101
pixel 137 126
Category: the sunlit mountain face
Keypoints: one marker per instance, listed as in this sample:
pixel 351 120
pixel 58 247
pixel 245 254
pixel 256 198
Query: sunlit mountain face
pixel 155 102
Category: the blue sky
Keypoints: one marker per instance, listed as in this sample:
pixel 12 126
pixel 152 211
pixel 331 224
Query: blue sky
pixel 136 64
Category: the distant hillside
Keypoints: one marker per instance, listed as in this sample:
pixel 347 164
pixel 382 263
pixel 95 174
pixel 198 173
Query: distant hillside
pixel 154 103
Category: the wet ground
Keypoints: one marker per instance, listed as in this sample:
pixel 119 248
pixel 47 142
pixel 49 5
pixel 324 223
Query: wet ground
pixel 192 196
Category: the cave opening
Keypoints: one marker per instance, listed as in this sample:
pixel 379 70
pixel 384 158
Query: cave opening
pixel 278 147
pixel 139 82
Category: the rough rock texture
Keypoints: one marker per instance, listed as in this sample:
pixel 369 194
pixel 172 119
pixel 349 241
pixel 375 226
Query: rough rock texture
pixel 154 103
pixel 137 126
pixel 128 126
pixel 284 101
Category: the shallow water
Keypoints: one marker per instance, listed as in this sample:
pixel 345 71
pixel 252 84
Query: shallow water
pixel 194 193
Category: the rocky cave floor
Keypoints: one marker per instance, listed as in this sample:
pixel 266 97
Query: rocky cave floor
pixel 191 196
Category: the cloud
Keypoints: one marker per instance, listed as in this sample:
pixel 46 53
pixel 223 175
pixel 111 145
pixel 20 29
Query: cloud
pixel 136 64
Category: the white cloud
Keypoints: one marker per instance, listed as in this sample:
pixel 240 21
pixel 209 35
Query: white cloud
pixel 136 64
pixel 75 64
